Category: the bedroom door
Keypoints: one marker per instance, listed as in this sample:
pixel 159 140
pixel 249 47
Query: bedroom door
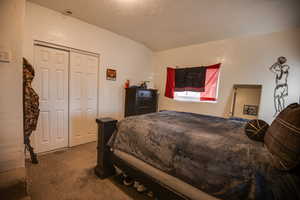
pixel 51 84
pixel 83 98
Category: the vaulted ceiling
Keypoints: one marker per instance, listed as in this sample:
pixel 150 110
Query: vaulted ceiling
pixel 165 24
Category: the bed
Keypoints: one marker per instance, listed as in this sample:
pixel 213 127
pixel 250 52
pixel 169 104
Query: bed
pixel 190 156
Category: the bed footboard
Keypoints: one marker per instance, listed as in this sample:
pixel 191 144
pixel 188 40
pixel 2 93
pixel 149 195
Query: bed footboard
pixel 106 127
pixel 106 161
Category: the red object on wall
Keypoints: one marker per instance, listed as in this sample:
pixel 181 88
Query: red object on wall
pixel 170 83
pixel 211 83
pixel 127 83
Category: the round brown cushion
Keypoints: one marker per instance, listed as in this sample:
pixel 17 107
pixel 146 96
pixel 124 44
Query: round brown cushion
pixel 256 129
pixel 283 138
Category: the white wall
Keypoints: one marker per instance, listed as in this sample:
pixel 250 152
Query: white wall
pixel 11 111
pixel 131 59
pixel 245 61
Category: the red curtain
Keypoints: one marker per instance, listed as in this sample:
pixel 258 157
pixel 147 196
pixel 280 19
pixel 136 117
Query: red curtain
pixel 211 83
pixel 170 83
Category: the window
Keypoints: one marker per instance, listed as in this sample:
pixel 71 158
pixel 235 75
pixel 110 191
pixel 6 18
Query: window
pixel 187 96
pixel 210 93
pixel 192 97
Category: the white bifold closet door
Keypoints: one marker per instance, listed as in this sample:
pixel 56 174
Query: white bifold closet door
pixel 83 98
pixel 51 84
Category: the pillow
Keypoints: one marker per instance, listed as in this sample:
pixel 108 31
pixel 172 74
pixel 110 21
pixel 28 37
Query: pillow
pixel 256 129
pixel 283 138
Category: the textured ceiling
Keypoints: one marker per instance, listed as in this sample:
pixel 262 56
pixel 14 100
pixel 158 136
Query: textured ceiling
pixel 165 24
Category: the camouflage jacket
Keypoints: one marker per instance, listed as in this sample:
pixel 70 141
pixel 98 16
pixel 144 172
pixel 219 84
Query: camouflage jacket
pixel 30 100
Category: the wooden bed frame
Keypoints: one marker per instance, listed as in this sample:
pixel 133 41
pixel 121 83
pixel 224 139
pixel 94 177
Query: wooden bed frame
pixel 106 162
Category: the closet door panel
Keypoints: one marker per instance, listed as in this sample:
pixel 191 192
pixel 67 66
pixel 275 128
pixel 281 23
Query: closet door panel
pixel 83 98
pixel 60 97
pixel 42 80
pixel 51 84
pixel 77 62
pixel 92 94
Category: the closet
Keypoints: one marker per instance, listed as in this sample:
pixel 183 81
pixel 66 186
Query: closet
pixel 67 84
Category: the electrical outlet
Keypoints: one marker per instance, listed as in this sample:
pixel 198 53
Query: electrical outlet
pixel 4 56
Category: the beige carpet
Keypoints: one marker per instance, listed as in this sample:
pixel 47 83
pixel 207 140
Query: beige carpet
pixel 69 175
pixel 13 185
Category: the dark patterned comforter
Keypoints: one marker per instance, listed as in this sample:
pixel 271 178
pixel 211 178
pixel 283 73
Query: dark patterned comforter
pixel 210 153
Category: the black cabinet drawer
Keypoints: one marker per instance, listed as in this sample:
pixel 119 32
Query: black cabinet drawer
pixel 141 111
pixel 145 103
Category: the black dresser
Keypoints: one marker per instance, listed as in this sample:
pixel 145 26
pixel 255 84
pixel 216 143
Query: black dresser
pixel 140 101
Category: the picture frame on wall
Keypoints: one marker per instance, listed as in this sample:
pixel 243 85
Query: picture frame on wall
pixel 111 74
pixel 250 110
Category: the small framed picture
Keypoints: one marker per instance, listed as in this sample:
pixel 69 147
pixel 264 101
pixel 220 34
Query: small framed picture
pixel 111 74
pixel 250 110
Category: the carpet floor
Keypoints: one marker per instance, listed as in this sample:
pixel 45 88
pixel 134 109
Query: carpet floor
pixel 69 175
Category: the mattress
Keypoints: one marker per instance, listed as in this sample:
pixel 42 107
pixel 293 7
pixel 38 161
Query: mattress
pixel 166 179
pixel 212 154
